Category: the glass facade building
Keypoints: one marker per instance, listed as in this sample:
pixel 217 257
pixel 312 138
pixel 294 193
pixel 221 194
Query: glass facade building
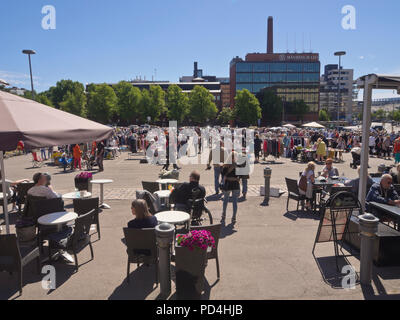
pixel 293 76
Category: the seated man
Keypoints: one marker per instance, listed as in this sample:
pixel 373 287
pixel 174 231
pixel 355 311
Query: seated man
pixel 329 170
pixel 354 183
pixel 188 191
pixel 42 188
pixel 383 192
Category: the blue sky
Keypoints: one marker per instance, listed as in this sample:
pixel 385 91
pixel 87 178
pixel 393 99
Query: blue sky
pixel 107 41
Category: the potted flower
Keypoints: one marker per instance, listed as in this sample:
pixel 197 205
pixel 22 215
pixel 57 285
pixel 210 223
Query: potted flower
pixel 190 262
pixel 82 181
pixel 25 229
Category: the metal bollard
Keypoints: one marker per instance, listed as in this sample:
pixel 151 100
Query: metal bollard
pixel 164 235
pixel 267 181
pixel 368 230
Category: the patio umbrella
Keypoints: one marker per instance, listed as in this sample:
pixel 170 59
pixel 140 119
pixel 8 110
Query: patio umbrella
pixel 38 125
pixel 290 126
pixel 313 125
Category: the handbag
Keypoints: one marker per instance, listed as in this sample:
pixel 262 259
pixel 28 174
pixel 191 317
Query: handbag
pixel 303 183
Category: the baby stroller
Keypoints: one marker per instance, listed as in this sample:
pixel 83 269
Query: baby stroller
pixel 90 161
pixel 356 160
pixel 36 161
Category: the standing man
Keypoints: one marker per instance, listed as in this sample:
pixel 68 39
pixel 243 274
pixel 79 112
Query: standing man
pixel 217 164
pixel 100 155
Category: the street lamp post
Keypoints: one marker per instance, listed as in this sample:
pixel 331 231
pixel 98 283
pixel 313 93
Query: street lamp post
pixel 29 52
pixel 339 54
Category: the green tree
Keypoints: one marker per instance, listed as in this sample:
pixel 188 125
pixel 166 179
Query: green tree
pixel 299 109
pixel 129 100
pixel 225 116
pixel 59 94
pixel 39 97
pixel 177 103
pixel 75 103
pixel 379 114
pixel 102 103
pixel 202 106
pixel 323 115
pixel 43 99
pixel 153 103
pixel 28 94
pixel 271 105
pixel 247 108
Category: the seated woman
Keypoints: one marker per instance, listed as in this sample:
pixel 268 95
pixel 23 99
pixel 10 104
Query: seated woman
pixel 306 182
pixel 329 170
pixel 143 218
pixel 12 185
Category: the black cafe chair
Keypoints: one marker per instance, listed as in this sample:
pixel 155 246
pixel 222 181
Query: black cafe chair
pixel 13 257
pixel 293 193
pixel 74 238
pixel 141 248
pixel 82 206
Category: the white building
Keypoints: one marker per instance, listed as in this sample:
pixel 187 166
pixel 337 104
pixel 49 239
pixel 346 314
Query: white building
pixel 329 92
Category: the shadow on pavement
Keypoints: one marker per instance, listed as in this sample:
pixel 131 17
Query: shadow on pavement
pixel 294 215
pixel 142 284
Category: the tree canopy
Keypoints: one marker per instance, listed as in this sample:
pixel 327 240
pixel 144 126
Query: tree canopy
pixel 247 108
pixel 202 106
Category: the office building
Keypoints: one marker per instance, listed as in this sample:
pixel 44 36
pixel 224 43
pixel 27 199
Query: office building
pixel 294 76
pixel 329 92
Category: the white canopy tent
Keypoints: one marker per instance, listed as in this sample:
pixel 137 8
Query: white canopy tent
pixel 368 83
pixel 315 125
pixel 290 126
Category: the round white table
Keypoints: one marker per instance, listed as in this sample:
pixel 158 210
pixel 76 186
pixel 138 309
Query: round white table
pixel 76 195
pixel 172 217
pixel 102 182
pixel 59 219
pixel 165 182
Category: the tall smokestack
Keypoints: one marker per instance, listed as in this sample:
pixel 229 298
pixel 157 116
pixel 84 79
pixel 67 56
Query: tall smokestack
pixel 270 39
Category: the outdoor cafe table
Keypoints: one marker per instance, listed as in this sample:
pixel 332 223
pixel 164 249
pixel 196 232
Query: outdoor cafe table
pixel 165 182
pixel 388 210
pixel 102 182
pixel 76 195
pixel 59 219
pixel 172 217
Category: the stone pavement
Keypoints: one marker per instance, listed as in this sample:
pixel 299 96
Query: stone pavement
pixel 266 255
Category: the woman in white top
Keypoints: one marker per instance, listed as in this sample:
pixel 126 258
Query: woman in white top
pixel 310 176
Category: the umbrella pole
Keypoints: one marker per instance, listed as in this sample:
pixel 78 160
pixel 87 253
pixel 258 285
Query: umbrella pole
pixel 3 182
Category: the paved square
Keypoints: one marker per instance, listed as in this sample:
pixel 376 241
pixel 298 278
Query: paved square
pixel 267 255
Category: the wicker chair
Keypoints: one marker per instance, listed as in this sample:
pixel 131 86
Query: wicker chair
pixel 150 186
pixel 141 248
pixel 82 206
pixel 74 239
pixel 14 258
pixel 293 193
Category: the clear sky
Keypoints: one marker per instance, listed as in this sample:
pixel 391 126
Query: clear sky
pixel 107 41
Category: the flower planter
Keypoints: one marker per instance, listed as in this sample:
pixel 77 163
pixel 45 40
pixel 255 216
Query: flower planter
pixel 83 184
pixel 26 233
pixel 190 267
